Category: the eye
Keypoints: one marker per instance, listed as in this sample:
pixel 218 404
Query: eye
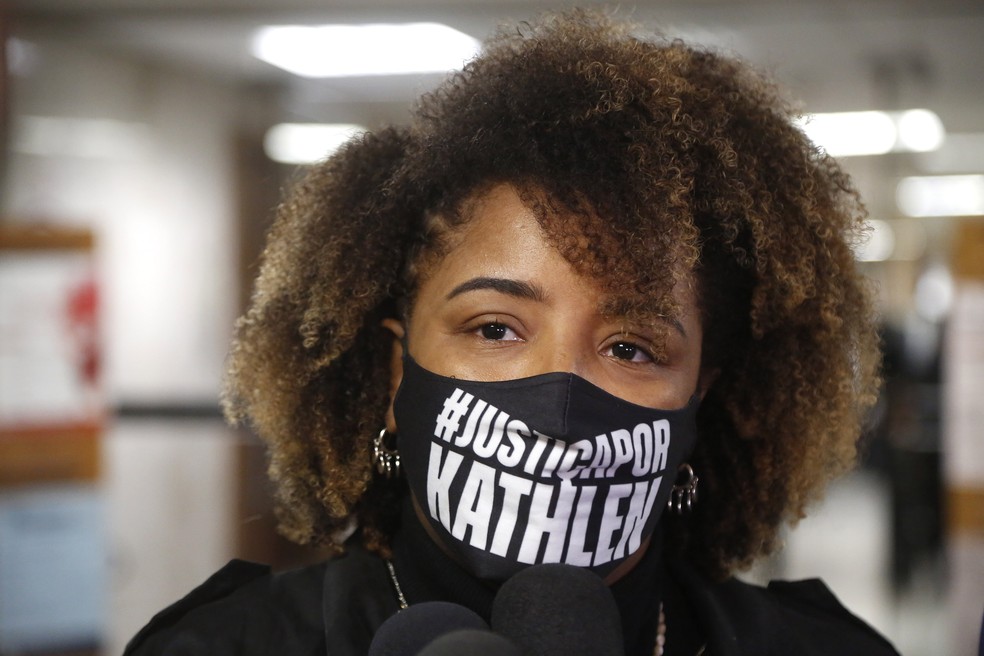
pixel 629 352
pixel 497 332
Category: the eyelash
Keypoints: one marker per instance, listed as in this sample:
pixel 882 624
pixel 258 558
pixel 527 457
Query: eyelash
pixel 639 349
pixel 500 326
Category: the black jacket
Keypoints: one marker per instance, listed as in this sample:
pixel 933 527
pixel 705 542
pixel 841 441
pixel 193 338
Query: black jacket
pixel 334 609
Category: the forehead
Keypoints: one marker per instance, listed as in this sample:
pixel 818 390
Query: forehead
pixel 524 227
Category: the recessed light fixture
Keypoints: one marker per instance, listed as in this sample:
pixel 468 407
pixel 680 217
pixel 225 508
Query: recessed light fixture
pixel 307 143
pixel 848 134
pixel 919 131
pixel 372 49
pixel 941 195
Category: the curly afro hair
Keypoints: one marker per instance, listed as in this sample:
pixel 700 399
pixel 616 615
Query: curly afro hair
pixel 668 158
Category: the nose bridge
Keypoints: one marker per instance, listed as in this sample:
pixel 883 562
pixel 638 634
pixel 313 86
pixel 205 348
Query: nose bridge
pixel 563 352
pixel 558 354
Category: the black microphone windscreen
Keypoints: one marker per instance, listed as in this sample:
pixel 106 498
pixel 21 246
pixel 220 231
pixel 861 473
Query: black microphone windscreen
pixel 558 610
pixel 412 629
pixel 471 642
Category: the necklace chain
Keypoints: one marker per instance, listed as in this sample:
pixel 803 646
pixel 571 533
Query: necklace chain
pixel 660 633
pixel 660 628
pixel 396 585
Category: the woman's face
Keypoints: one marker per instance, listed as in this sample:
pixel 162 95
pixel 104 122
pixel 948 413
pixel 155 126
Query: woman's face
pixel 504 304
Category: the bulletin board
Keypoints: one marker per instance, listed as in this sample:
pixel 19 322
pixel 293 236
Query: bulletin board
pixel 51 399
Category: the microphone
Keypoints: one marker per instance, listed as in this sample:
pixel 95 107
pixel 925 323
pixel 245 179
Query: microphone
pixel 413 628
pixel 558 610
pixel 472 642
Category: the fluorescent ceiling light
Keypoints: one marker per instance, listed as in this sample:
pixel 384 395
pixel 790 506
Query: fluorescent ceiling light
pixel 374 49
pixel 941 195
pixel 851 133
pixel 307 143
pixel 847 134
pixel 919 131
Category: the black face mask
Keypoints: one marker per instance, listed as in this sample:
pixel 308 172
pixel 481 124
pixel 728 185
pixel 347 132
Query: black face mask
pixel 547 469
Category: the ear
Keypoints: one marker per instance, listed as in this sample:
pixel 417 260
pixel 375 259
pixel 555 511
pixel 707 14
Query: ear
pixel 396 369
pixel 706 378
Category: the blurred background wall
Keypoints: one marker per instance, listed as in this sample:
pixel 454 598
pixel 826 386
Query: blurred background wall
pixel 135 190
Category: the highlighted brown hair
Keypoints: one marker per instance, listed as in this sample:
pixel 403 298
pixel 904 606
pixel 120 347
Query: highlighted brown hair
pixel 667 158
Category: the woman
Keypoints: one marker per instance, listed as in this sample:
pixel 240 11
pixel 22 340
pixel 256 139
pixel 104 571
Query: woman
pixel 594 273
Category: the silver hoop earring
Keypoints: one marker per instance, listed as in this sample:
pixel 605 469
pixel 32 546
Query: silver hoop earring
pixel 384 459
pixel 683 496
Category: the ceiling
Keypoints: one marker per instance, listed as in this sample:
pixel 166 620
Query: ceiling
pixel 834 55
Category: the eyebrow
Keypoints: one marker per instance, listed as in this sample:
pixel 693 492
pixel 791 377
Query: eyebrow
pixel 673 321
pixel 517 288
pixel 617 308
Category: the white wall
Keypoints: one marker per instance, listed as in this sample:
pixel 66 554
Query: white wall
pixel 157 190
pixel 143 157
pixel 169 485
